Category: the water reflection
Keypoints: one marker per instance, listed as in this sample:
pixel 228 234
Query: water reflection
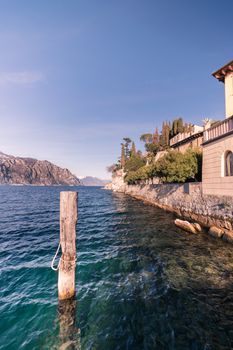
pixel 69 335
pixel 142 283
pixel 146 284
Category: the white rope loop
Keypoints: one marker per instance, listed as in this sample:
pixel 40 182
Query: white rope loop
pixel 54 258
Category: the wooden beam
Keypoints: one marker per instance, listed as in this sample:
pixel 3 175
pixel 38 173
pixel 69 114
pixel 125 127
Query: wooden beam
pixel 68 221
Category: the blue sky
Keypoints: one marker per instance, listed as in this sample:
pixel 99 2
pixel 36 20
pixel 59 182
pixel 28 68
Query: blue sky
pixel 77 76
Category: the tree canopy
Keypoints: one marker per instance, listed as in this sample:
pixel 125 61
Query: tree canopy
pixel 173 166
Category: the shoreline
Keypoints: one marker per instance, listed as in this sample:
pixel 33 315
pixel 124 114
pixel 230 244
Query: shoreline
pixel 187 202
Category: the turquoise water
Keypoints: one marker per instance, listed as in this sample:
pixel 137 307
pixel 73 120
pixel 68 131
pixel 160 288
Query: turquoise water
pixel 141 282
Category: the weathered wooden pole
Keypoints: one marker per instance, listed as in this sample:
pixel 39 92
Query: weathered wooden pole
pixel 68 220
pixel 69 335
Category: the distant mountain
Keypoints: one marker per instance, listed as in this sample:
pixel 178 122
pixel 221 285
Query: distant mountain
pixel 93 181
pixel 29 171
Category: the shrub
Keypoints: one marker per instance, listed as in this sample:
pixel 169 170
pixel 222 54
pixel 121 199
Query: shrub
pixel 172 167
pixel 134 163
pixel 140 174
pixel 178 167
pixel 113 168
pixel 152 148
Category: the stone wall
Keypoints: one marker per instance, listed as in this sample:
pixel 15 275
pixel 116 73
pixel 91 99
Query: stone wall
pixel 117 184
pixel 187 201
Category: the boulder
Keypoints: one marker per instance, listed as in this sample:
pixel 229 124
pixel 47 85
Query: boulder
pixel 228 225
pixel 185 225
pixel 228 236
pixel 108 186
pixel 197 226
pixel 216 232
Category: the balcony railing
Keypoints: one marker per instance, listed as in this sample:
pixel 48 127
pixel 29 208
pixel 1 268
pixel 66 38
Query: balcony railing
pixel 180 137
pixel 218 130
pixel 195 129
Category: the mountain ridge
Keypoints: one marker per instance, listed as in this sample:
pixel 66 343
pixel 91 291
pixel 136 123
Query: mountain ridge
pixel 15 170
pixel 93 181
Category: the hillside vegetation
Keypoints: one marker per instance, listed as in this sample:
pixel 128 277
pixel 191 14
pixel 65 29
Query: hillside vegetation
pixel 159 160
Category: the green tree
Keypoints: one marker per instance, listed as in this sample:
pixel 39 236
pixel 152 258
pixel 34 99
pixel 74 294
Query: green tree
pixel 122 156
pixel 174 127
pixel 133 150
pixel 137 175
pixel 156 136
pixel 177 127
pixel 134 163
pixel 165 135
pixel 177 167
pixel 113 168
pixel 180 125
pixel 152 148
pixel 172 167
pixel 147 138
pixel 127 142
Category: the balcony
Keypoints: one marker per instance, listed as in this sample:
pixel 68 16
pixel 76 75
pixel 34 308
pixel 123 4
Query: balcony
pixel 219 130
pixel 179 137
pixel 194 131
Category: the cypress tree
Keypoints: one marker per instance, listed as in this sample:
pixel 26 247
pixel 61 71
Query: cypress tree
pixel 175 127
pixel 127 144
pixel 156 136
pixel 122 156
pixel 167 134
pixel 180 125
pixel 163 135
pixel 133 150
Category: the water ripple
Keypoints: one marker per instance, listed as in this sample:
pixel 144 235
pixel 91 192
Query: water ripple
pixel 141 282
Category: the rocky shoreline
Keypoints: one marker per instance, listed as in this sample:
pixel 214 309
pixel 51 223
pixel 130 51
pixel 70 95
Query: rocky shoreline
pixel 186 201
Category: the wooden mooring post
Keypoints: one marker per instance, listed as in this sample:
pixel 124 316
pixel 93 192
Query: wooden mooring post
pixel 68 221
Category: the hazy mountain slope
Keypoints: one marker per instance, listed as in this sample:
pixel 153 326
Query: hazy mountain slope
pixel 29 171
pixel 93 181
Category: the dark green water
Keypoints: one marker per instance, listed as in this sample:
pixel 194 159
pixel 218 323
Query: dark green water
pixel 141 282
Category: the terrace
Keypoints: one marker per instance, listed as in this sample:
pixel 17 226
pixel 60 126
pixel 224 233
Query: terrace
pixel 185 136
pixel 219 130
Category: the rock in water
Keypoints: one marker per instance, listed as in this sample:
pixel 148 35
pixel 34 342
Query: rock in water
pixel 29 171
pixel 228 236
pixel 215 232
pixel 185 225
pixel 197 227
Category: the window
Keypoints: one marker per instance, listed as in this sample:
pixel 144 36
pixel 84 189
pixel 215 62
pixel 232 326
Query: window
pixel 229 164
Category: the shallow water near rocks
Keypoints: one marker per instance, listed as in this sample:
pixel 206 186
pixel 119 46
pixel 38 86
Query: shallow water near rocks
pixel 142 283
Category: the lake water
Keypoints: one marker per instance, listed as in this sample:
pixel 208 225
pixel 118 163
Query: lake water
pixel 141 282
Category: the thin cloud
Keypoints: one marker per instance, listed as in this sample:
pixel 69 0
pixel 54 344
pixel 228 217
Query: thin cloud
pixel 21 78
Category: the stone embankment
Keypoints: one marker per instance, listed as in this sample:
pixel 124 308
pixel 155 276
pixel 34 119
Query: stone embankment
pixel 214 213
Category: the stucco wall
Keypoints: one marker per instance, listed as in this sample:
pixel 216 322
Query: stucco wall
pixel 213 179
pixel 195 143
pixel 229 94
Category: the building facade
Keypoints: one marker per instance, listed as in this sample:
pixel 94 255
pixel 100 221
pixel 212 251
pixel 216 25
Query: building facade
pixel 217 173
pixel 192 139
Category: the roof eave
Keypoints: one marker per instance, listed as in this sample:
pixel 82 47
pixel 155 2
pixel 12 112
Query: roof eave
pixel 221 72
